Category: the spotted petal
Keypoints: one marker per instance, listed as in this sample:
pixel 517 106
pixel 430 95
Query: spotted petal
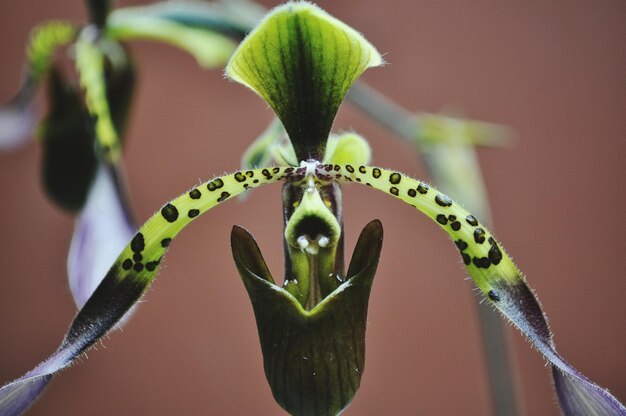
pixel 493 271
pixel 302 61
pixel 131 275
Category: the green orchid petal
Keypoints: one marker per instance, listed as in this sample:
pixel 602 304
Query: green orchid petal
pixel 347 148
pixel 44 41
pixel 94 55
pixel 191 27
pixel 495 274
pixel 302 61
pixel 313 359
pixel 131 275
pixel 69 161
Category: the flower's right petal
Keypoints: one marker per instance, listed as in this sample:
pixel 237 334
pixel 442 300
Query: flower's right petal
pixel 495 274
pixel 132 274
pixel 16 117
pixel 302 61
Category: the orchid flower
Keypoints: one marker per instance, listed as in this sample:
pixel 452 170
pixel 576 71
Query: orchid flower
pixel 82 137
pixel 302 62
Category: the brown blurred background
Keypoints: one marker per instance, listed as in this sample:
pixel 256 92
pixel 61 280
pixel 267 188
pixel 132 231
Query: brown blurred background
pixel 553 71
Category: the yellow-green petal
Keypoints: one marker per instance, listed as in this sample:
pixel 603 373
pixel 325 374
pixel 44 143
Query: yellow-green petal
pixel 302 61
pixel 348 148
pixel 90 62
pixel 495 274
pixel 44 40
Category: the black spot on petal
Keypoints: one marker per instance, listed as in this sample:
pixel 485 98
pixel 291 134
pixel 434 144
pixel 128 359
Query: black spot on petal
pixel 456 226
pixel 376 173
pixel 462 245
pixel 394 191
pixel 495 255
pixel 223 197
pixel 215 184
pixel 193 213
pixel 479 235
pixel 395 178
pixel 127 264
pixel 166 242
pixel 443 200
pixel 137 244
pixel 493 296
pixel 422 188
pixel 471 220
pixel 170 213
pixel 481 262
pixel 412 193
pixel 441 219
pixel 152 265
pixel 195 194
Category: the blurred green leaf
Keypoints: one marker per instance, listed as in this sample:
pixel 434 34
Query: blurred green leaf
pixel 188 26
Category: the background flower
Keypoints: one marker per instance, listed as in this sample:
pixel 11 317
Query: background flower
pixel 552 72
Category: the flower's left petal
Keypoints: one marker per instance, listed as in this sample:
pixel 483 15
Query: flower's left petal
pixel 494 273
pixel 302 61
pixel 132 274
pixel 101 232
